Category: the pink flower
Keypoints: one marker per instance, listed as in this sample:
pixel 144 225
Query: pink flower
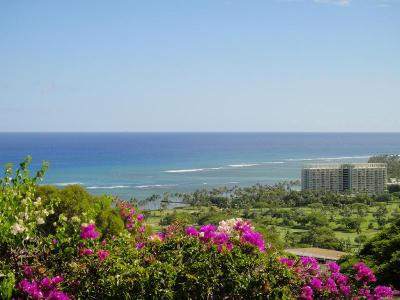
pixel 102 254
pixel 207 232
pixel 129 226
pixel 191 231
pixel 306 293
pixel 309 263
pixel 57 295
pixel 157 237
pixel 142 229
pixel 140 217
pixel 364 292
pixel 286 261
pixel 87 251
pixel 345 290
pixel 27 271
pixel 220 238
pixel 364 273
pixel 330 285
pixel 383 292
pixel 139 245
pixel 31 288
pixel 45 283
pixel 89 232
pixel 57 279
pixel 316 283
pixel 333 267
pixel 255 239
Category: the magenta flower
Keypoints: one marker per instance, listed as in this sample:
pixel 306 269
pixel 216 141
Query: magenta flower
pixel 46 283
pixel 364 292
pixel 340 278
pixel 364 273
pixel 286 261
pixel 31 288
pixel 89 232
pixel 139 245
pixel 306 293
pixel 27 271
pixel 140 217
pixel 330 285
pixel 57 279
pixel 220 238
pixel 383 292
pixel 345 290
pixel 57 295
pixel 129 226
pixel 102 254
pixel 316 283
pixel 87 251
pixel 309 263
pixel 207 232
pixel 45 289
pixel 191 231
pixel 333 267
pixel 254 238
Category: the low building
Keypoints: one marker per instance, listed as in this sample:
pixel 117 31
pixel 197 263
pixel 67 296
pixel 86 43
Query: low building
pixel 322 255
pixel 353 178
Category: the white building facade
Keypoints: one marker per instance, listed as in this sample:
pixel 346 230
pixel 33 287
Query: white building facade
pixel 368 178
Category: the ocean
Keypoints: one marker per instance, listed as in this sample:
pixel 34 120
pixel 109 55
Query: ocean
pixel 140 164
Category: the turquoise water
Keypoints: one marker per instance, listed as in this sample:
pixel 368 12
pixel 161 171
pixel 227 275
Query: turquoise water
pixel 140 164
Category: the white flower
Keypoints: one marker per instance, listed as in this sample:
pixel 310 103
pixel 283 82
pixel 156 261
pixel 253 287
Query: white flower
pixel 40 221
pixel 38 201
pixel 17 228
pixel 24 201
pixel 45 212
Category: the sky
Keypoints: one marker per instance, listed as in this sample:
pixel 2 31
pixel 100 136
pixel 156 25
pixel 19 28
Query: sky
pixel 200 65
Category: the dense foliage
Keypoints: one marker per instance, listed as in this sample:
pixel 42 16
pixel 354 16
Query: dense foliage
pixel 382 252
pixel 302 218
pixel 53 248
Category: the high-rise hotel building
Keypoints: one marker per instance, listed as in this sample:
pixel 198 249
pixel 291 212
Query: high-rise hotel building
pixel 367 178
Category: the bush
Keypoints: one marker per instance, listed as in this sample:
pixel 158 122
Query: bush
pixel 74 201
pixel 180 217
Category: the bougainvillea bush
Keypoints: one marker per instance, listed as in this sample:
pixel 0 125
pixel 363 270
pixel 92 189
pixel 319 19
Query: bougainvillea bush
pixel 77 260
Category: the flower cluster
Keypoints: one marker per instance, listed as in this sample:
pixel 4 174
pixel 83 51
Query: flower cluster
pixel 130 216
pixel 227 234
pixel 47 288
pixel 89 232
pixel 330 283
pixel 364 273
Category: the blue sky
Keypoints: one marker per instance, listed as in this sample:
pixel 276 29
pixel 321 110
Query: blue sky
pixel 198 65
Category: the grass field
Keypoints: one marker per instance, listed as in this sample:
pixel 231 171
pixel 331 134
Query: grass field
pixel 153 218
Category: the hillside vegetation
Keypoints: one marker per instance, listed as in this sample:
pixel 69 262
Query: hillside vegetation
pixel 61 244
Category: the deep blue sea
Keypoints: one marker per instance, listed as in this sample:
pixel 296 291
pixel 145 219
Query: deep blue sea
pixel 140 164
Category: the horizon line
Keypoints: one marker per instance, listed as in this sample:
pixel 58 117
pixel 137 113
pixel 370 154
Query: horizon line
pixel 149 132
